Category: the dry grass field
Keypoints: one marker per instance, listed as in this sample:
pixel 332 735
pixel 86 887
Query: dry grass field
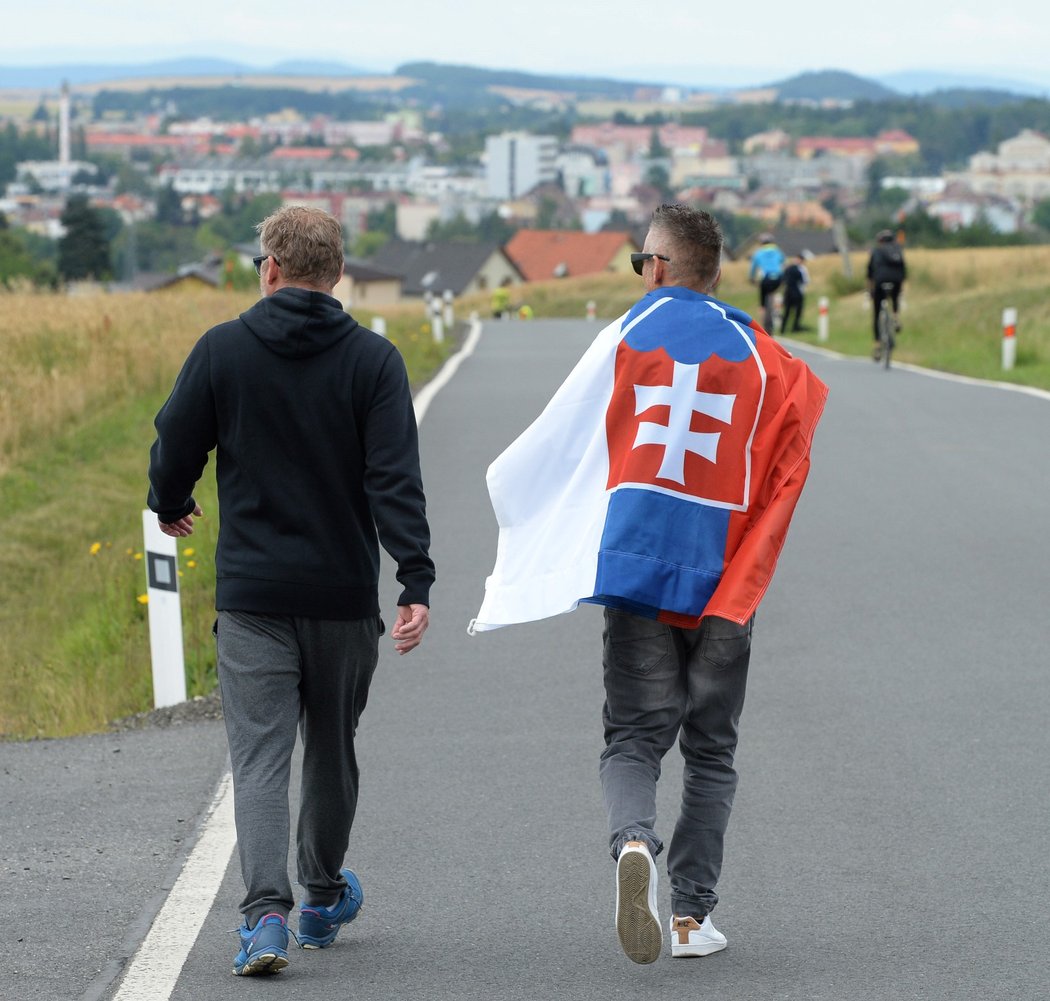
pixel 953 305
pixel 83 378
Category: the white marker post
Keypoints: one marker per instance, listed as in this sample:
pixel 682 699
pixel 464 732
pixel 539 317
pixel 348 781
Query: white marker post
pixel 437 325
pixel 379 325
pixel 1009 338
pixel 450 313
pixel 822 318
pixel 165 614
pixel 592 309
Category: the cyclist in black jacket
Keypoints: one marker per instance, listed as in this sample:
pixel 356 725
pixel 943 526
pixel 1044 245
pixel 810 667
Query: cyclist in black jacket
pixel 886 274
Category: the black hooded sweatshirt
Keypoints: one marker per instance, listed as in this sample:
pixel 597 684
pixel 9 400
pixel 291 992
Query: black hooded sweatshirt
pixel 311 418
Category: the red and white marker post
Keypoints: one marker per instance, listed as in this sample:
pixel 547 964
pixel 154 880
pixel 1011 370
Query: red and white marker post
pixel 822 318
pixel 1009 338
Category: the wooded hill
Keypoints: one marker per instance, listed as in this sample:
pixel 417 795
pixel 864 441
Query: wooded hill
pixel 950 125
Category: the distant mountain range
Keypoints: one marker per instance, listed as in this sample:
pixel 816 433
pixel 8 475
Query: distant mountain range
pixel 815 86
pixel 51 77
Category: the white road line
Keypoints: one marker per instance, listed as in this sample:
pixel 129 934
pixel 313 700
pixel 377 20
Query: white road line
pixel 426 395
pixel 153 971
pixel 932 373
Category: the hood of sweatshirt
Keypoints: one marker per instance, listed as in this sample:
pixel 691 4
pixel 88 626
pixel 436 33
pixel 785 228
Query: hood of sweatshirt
pixel 297 323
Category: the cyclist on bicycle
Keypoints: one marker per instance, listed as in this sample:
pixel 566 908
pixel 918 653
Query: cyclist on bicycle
pixel 886 274
pixel 767 267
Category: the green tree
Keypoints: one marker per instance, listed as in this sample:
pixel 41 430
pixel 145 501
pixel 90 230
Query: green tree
pixel 546 213
pixel 84 251
pixel 383 220
pixel 236 224
pixel 18 263
pixel 1041 214
pixel 368 243
pixel 658 177
pixel 154 247
pixel 490 228
pixel 618 222
pixel 657 150
pixel 169 207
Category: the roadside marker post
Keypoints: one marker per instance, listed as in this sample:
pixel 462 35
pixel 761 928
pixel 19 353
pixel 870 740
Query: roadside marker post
pixel 1009 338
pixel 822 318
pixel 165 614
pixel 592 309
pixel 437 324
pixel 450 315
pixel 379 325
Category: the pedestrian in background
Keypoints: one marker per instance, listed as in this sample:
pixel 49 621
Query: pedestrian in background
pixel 796 280
pixel 767 269
pixel 311 420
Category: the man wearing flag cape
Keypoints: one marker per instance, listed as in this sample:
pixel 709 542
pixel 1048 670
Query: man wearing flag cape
pixel 659 482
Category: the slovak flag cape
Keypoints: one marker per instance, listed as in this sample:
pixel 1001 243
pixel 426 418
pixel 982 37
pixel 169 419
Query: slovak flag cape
pixel 663 474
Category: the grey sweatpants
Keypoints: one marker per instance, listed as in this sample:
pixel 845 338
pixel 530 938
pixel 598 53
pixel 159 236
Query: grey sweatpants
pixel 663 683
pixel 276 673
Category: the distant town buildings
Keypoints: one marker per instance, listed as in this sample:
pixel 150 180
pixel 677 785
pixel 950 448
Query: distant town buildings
pixel 515 162
pixel 575 199
pixel 1020 168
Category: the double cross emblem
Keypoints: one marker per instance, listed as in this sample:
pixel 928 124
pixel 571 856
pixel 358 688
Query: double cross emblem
pixel 683 399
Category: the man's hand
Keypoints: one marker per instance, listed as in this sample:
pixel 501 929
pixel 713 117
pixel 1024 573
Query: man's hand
pixel 182 527
pixel 412 622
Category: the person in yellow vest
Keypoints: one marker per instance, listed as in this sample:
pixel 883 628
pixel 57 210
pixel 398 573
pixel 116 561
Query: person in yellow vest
pixel 500 301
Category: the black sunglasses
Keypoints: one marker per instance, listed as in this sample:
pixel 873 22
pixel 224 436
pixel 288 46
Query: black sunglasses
pixel 637 260
pixel 257 261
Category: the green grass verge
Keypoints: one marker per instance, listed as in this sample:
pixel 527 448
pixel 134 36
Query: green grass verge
pixel 76 636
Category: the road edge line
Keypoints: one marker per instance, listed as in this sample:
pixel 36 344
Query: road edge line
pixel 154 969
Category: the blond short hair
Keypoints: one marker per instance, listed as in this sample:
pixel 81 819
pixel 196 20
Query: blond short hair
pixel 307 242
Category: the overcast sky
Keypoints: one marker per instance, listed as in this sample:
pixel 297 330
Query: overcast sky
pixel 714 43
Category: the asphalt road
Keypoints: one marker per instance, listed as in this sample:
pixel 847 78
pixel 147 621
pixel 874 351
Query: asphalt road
pixel 890 833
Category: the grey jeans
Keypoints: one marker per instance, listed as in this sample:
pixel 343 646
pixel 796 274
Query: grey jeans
pixel 277 673
pixel 663 683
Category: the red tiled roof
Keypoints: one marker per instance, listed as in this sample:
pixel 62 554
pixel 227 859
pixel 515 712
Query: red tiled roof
pixel 895 135
pixel 671 134
pixel 134 139
pixel 540 253
pixel 842 145
pixel 301 153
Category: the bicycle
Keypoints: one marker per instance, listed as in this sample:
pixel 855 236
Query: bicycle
pixel 887 326
pixel 770 312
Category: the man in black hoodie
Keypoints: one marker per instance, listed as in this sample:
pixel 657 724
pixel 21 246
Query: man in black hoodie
pixel 316 450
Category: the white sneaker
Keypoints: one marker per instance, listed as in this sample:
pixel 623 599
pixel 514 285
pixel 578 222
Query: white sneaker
pixel 637 920
pixel 690 937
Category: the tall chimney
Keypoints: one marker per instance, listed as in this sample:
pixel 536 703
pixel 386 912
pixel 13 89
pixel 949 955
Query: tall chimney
pixel 63 124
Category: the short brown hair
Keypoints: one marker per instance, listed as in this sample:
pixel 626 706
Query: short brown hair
pixel 695 243
pixel 307 242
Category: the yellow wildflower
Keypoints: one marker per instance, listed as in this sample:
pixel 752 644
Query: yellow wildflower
pixel 143 599
pixel 138 556
pixel 191 563
pixel 95 547
pixel 189 552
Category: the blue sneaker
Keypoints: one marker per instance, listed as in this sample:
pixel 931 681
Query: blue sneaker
pixel 318 926
pixel 264 948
